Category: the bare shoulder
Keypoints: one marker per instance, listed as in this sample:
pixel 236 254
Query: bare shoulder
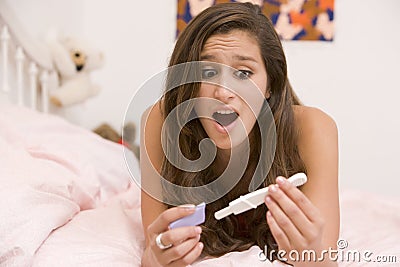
pixel 313 121
pixel 150 136
pixel 152 116
pixel 317 141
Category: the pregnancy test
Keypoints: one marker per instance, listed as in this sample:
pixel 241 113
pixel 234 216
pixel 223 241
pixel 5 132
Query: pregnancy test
pixel 254 199
pixel 198 217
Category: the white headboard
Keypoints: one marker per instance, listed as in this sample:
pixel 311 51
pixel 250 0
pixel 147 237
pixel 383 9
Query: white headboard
pixel 26 67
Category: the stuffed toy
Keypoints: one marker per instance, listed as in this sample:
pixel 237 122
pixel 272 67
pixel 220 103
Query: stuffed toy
pixel 107 132
pixel 127 139
pixel 74 59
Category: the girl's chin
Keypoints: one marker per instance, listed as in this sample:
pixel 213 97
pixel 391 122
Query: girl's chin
pixel 228 144
pixel 223 146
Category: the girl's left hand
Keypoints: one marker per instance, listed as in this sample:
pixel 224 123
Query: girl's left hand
pixel 294 221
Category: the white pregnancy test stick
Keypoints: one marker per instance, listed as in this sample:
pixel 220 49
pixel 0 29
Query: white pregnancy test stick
pixel 254 199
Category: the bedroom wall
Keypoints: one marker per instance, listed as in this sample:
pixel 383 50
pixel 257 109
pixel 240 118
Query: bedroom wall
pixel 40 17
pixel 354 79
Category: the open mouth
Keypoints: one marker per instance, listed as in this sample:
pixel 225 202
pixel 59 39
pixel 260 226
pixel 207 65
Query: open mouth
pixel 225 117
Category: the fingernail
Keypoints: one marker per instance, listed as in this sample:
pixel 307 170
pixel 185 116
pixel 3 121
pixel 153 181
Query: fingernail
pixel 201 245
pixel 198 229
pixel 273 188
pixel 280 180
pixel 269 214
pixel 268 199
pixel 188 206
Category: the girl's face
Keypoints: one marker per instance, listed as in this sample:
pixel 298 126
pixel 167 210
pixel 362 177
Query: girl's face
pixel 231 95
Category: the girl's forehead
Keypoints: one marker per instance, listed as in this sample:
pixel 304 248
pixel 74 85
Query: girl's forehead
pixel 236 44
pixel 232 38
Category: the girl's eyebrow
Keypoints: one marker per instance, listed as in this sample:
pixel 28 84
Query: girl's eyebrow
pixel 245 58
pixel 236 56
pixel 206 57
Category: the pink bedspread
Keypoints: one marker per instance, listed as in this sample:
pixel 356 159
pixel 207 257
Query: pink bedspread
pixel 66 199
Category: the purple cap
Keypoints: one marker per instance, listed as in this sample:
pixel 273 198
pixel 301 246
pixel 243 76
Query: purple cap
pixel 198 217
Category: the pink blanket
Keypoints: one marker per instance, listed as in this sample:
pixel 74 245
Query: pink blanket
pixel 66 199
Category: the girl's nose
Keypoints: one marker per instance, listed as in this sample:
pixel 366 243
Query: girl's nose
pixel 223 94
pixel 223 91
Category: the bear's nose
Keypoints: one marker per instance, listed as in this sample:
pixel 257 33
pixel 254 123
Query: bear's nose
pixel 79 67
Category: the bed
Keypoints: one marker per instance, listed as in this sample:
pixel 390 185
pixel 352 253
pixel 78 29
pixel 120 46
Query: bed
pixel 76 205
pixel 67 197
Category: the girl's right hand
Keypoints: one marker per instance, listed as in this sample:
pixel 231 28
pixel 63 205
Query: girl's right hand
pixel 185 248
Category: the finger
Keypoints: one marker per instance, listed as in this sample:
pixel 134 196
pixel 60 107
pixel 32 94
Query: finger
pixel 180 234
pixel 284 222
pixel 190 257
pixel 279 235
pixel 162 222
pixel 179 251
pixel 292 211
pixel 299 198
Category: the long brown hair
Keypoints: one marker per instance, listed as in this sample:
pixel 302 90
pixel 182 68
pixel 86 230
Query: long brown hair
pixel 223 236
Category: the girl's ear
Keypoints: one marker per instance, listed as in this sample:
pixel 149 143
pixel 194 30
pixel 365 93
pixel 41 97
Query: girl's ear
pixel 268 93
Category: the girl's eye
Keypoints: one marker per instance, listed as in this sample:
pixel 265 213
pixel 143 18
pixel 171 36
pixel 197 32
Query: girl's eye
pixel 243 74
pixel 208 73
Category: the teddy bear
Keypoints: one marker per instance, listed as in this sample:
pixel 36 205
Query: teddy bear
pixel 127 138
pixel 74 59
